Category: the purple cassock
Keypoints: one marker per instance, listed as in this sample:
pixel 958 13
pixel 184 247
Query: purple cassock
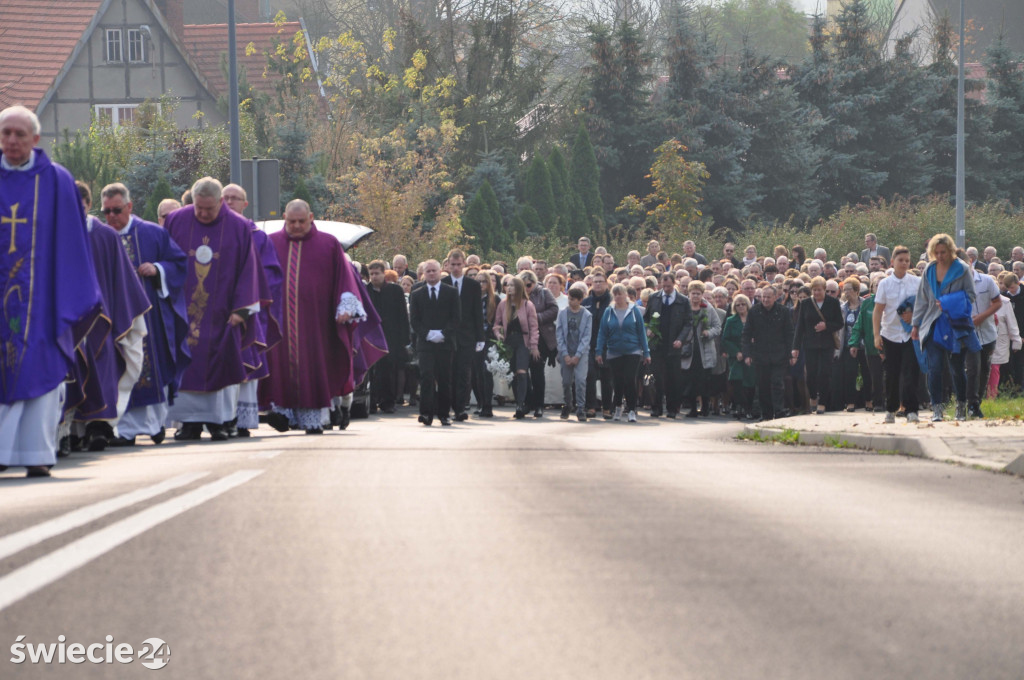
pixel 266 324
pixel 317 358
pixel 124 301
pixel 165 352
pixel 222 278
pixel 50 297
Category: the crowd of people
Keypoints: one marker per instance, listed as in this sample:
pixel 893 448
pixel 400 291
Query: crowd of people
pixel 117 329
pixel 752 337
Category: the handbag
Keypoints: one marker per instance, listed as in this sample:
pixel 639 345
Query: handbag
pixel 836 340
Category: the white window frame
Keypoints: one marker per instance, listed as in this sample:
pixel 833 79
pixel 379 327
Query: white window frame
pixel 136 40
pixel 113 37
pixel 116 113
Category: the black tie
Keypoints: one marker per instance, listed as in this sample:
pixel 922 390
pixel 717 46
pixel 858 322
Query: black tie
pixel 456 282
pixel 433 294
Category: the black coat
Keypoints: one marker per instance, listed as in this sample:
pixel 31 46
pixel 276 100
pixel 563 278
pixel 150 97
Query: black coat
pixel 442 315
pixel 680 326
pixel 804 335
pixel 389 302
pixel 471 323
pixel 768 334
pixel 596 304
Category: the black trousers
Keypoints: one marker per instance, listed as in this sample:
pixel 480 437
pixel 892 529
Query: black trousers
pixel 384 381
pixel 624 371
pixel 849 366
pixel 819 370
pixel 877 389
pixel 462 376
pixel 902 375
pixel 698 379
pixel 435 381
pixel 604 374
pixel 483 381
pixel 977 374
pixel 771 387
pixel 668 381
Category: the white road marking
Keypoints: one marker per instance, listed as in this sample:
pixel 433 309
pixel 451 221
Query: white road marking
pixel 265 455
pixel 40 573
pixel 26 538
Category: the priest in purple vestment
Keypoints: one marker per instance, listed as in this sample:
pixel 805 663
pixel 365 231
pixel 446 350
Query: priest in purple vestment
pixel 160 266
pixel 116 367
pixel 51 300
pixel 267 326
pixel 222 293
pixel 331 337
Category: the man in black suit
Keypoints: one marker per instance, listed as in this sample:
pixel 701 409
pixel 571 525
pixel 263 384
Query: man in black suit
pixel 469 338
pixel 584 258
pixel 389 301
pixel 675 330
pixel 434 315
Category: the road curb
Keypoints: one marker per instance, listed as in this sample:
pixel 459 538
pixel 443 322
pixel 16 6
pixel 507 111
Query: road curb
pixel 919 447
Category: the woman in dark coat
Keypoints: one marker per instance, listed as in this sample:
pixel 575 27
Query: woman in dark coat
pixel 818 319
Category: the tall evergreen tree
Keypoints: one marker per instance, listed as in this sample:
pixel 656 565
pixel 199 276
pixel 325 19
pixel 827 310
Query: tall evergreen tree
pixel 560 187
pixel 538 193
pixel 493 169
pixel 618 110
pixel 585 179
pixel 161 191
pixel 483 220
pixel 1006 94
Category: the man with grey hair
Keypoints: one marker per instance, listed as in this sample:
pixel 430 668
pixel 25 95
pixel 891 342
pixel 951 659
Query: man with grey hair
pixel 52 299
pixel 222 292
pixel 652 254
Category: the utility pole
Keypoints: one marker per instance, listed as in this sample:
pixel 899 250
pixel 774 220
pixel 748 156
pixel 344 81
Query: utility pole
pixel 236 145
pixel 961 229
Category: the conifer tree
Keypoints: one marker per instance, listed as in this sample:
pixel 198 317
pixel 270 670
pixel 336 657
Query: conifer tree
pixel 1006 94
pixel 585 178
pixel 539 195
pixel 161 191
pixel 560 187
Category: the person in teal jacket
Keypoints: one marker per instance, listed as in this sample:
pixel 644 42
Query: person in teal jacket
pixel 862 339
pixel 622 344
pixel 741 376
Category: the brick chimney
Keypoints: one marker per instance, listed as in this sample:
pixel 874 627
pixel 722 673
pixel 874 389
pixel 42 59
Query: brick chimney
pixel 174 14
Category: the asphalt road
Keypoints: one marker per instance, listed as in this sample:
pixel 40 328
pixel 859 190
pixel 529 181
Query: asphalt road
pixel 504 549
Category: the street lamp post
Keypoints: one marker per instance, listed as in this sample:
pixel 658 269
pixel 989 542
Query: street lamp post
pixel 236 146
pixel 961 230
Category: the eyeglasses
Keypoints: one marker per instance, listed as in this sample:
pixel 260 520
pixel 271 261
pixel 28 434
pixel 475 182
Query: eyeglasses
pixel 116 211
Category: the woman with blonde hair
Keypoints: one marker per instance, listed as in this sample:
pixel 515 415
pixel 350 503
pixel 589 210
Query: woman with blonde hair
pixel 515 324
pixel 622 344
pixel 698 363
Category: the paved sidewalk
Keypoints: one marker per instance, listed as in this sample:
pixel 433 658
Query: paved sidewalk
pixel 991 444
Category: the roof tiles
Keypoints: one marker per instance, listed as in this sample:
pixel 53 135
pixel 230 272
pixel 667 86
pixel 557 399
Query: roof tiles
pixel 207 42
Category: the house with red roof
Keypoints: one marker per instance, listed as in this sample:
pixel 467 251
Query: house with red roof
pixel 73 60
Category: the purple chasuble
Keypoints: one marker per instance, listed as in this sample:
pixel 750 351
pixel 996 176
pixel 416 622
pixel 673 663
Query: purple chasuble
pixel 165 353
pixel 124 300
pixel 222 278
pixel 315 360
pixel 51 300
pixel 265 324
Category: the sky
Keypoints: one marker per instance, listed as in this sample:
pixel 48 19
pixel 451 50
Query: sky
pixel 809 6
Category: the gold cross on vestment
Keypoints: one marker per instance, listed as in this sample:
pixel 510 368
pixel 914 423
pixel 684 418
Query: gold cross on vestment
pixel 14 221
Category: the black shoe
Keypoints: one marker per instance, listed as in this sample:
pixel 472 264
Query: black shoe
pixel 189 432
pixel 218 432
pixel 315 430
pixel 565 412
pixel 446 421
pixel 975 411
pixel 539 413
pixel 37 471
pixel 581 416
pixel 373 409
pixel 118 442
pixel 487 413
pixel 427 420
pixel 157 438
pixel 388 410
pixel 671 414
pixel 97 434
pixel 656 413
pixel 344 418
pixel 520 414
pixel 692 414
pixel 243 433
pixel 461 417
pixel 231 431
pixel 64 447
pixel 278 421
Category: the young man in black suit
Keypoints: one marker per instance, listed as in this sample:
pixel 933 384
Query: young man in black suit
pixel 674 325
pixel 434 315
pixel 584 258
pixel 389 301
pixel 469 338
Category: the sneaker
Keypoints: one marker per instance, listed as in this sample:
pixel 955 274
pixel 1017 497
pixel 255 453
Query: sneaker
pixel 961 411
pixel 937 415
pixel 618 413
pixel 565 412
pixel 912 417
pixel 890 417
pixel 974 411
pixel 631 417
pixel 581 416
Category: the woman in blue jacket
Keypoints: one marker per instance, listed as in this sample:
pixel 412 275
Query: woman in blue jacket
pixel 622 343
